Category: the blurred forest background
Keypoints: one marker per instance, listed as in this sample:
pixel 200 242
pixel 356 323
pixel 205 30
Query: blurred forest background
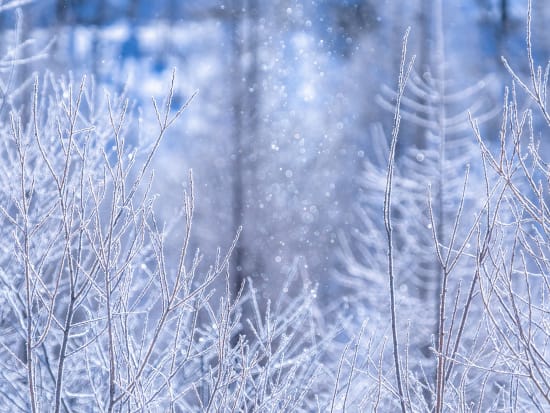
pixel 290 137
pixel 291 98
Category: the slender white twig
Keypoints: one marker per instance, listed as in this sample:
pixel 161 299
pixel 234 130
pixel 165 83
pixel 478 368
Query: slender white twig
pixel 404 72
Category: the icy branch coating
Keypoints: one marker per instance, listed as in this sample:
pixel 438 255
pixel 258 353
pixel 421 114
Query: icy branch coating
pixel 297 237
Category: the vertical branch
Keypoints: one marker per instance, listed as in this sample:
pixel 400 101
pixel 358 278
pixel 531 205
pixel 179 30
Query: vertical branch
pixel 539 82
pixel 404 73
pixel 65 207
pixel 441 274
pixel 29 285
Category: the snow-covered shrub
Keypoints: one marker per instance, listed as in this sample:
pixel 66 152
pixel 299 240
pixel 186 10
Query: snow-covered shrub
pixel 97 312
pixel 96 315
pixel 103 307
pixel 466 261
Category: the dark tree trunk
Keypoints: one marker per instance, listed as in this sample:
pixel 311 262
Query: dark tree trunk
pixel 245 103
pixel 504 13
